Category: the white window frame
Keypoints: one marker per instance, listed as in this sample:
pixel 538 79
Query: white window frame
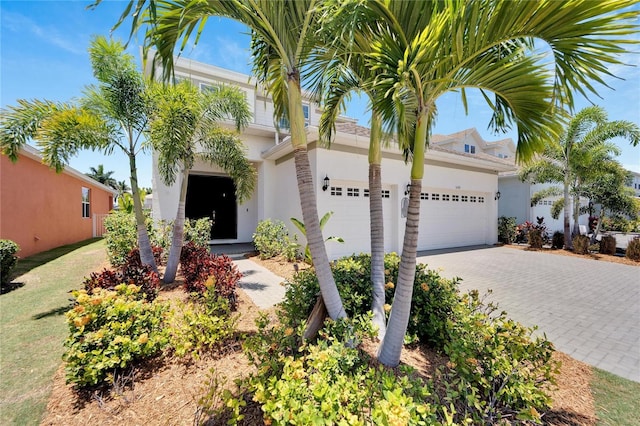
pixel 86 202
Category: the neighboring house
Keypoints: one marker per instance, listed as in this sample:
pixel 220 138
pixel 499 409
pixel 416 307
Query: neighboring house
pixel 41 209
pixel 515 201
pixel 459 205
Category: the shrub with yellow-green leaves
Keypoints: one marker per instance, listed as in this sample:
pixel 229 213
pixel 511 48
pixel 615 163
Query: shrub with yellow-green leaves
pixel 109 331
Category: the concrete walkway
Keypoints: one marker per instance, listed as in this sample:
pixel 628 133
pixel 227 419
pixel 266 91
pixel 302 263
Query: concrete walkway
pixel 588 309
pixel 261 285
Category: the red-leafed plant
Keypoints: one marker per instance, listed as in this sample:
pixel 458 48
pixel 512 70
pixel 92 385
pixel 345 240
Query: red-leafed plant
pixel 132 272
pixel 202 269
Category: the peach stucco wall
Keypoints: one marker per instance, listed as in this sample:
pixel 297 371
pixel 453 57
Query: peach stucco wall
pixel 41 209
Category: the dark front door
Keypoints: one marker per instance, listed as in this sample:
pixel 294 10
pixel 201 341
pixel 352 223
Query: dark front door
pixel 213 197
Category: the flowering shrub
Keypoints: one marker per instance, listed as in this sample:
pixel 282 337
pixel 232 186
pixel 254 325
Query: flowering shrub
pixel 202 269
pixel 109 330
pixel 433 295
pixel 8 260
pixel 539 229
pixel 497 370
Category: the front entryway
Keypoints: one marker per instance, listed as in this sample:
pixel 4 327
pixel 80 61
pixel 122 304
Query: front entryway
pixel 213 197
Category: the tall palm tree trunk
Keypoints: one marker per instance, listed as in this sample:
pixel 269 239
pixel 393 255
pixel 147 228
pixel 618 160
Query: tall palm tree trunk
pixel 568 245
pixel 576 216
pixel 144 243
pixel 308 202
pixel 376 227
pixel 391 347
pixel 177 238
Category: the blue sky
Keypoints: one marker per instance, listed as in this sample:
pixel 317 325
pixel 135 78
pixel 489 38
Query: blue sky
pixel 43 55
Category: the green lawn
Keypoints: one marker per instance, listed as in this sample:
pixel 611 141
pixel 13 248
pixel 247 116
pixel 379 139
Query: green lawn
pixel 617 400
pixel 32 326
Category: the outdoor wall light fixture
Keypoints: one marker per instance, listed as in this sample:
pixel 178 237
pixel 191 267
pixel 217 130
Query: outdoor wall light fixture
pixel 325 181
pixel 497 197
pixel 408 189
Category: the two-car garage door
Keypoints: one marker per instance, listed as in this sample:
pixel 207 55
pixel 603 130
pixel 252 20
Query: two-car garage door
pixel 448 218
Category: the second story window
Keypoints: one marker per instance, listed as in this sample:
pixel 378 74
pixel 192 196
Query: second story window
pixel 471 149
pixel 284 123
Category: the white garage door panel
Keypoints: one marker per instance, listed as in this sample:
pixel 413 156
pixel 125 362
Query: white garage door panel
pixel 351 221
pixel 452 219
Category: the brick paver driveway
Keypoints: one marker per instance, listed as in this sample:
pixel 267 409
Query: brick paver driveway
pixel 589 309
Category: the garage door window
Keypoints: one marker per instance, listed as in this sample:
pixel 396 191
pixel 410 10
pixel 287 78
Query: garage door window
pixel 353 192
pixel 445 197
pixel 424 195
pixel 481 199
pixel 365 193
pixel 386 193
pixel 336 190
pixel 435 197
pixel 464 198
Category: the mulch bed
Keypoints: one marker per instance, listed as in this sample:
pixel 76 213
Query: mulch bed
pixel 167 391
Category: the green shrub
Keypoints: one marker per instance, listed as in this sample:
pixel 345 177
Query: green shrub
pixel 557 241
pixel 122 236
pixel 198 231
pixel 8 260
pixel 272 239
pixel 507 229
pixel 619 223
pixel 109 330
pixel 498 371
pixel 534 238
pixel 330 382
pixel 633 249
pixel 581 244
pixel 608 244
pixel 197 327
pixel 433 296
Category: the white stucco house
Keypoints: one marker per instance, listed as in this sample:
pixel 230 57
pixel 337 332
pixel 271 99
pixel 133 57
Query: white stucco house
pixel 515 201
pixel 459 203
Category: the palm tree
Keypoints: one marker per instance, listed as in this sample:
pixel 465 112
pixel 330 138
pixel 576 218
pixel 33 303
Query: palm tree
pixel 186 125
pixel 583 149
pixel 283 40
pixel 423 50
pixel 109 116
pixel 338 73
pixel 102 176
pixel 122 187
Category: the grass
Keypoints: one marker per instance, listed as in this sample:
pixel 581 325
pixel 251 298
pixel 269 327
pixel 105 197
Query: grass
pixel 33 328
pixel 617 400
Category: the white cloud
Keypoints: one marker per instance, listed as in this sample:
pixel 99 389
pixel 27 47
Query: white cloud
pixel 18 23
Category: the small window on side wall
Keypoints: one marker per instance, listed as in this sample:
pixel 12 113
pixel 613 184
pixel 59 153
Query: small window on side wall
pixel 86 195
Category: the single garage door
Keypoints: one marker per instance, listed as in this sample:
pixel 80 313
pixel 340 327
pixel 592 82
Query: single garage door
pixel 452 218
pixel 350 203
